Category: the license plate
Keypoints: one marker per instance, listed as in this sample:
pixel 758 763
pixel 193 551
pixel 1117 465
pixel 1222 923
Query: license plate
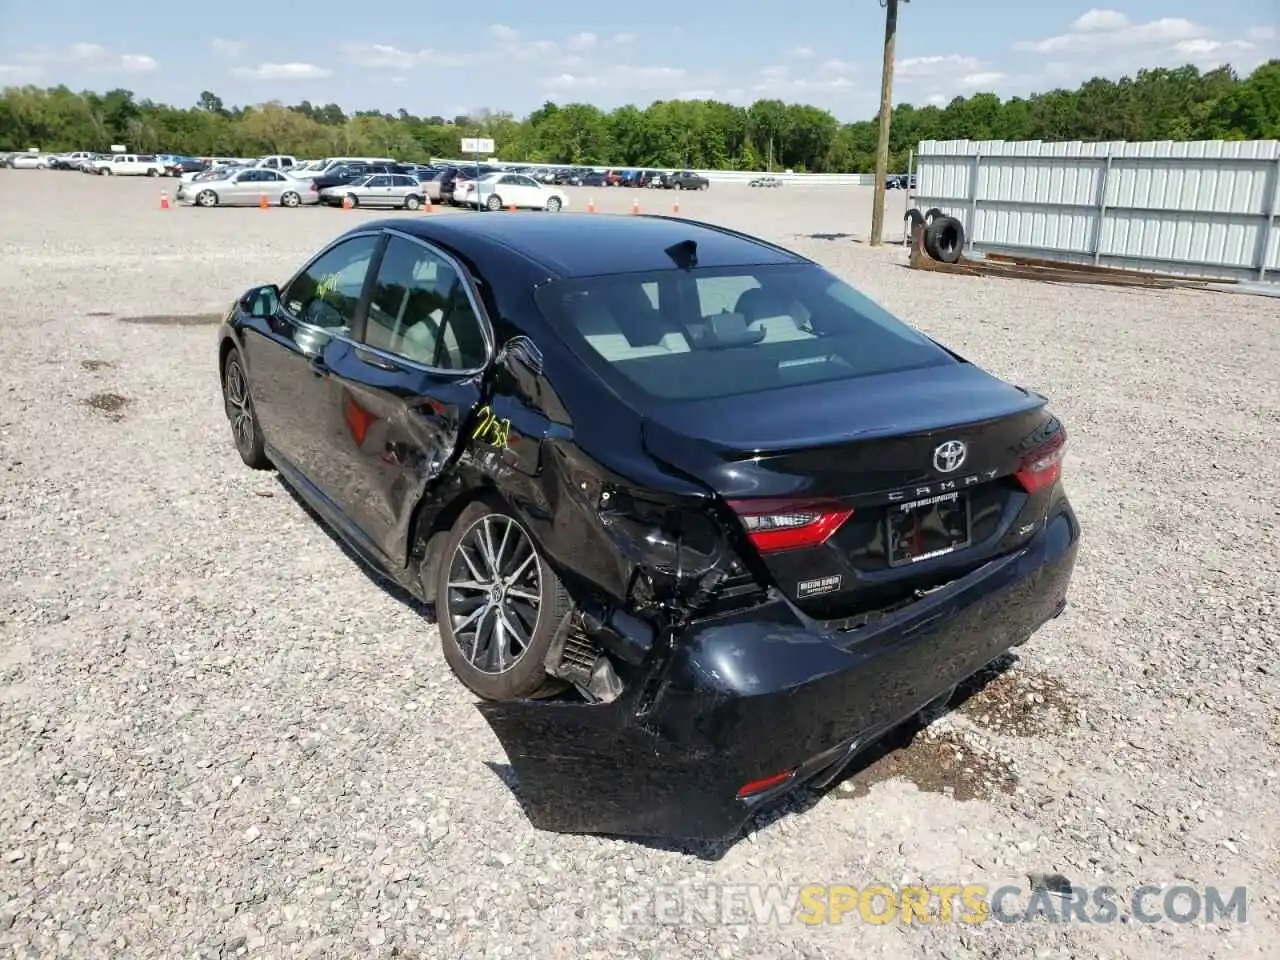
pixel 928 528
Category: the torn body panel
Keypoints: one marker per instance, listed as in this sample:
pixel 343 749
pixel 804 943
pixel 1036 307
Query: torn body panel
pixel 766 692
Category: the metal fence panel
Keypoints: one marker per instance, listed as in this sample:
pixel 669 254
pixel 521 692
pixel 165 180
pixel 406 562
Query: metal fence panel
pixel 1202 207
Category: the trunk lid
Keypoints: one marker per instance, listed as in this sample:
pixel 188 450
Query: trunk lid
pixel 871 446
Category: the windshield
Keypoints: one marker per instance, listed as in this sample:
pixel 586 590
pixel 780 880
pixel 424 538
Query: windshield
pixel 704 333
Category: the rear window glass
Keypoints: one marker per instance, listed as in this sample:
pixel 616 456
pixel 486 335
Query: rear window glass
pixel 698 334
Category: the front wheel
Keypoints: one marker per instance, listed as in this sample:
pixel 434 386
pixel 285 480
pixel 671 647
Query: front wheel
pixel 553 204
pixel 352 200
pixel 412 203
pixel 499 606
pixel 207 198
pixel 238 401
pixel 104 172
pixel 153 172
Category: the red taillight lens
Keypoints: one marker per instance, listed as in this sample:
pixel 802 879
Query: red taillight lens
pixel 314 188
pixel 763 784
pixel 775 525
pixel 1043 466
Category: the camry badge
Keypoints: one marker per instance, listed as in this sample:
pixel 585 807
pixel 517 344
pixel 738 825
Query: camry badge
pixel 949 456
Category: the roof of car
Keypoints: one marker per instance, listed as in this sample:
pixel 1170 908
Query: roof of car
pixel 585 245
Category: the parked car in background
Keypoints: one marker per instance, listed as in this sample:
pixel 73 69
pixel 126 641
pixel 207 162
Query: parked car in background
pixel 465 174
pixel 247 187
pixel 497 191
pixel 30 161
pixel 765 182
pixel 178 166
pixel 318 168
pixel 70 161
pixel 129 165
pixel 594 179
pixel 686 180
pixel 900 182
pixel 399 190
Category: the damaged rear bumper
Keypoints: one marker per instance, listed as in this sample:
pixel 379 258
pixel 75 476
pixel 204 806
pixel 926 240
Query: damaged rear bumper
pixel 768 699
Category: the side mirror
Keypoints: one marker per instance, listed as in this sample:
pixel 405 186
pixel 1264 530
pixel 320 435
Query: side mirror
pixel 261 302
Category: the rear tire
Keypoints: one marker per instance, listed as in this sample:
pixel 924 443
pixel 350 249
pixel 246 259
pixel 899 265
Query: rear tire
pixel 494 202
pixel 553 205
pixel 494 634
pixel 290 199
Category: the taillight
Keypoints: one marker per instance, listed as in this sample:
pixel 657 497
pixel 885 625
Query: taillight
pixel 314 188
pixel 1043 466
pixel 776 525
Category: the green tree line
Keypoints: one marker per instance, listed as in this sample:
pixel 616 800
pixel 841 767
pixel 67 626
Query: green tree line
pixel 1157 104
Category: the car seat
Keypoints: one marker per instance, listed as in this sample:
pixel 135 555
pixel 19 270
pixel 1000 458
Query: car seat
pixel 768 311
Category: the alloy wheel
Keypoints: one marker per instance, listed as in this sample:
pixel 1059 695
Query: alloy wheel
pixel 494 594
pixel 239 406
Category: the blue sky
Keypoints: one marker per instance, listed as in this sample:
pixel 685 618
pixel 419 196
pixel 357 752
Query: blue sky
pixel 507 55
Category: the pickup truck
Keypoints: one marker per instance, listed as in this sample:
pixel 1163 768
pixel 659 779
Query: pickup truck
pixel 129 165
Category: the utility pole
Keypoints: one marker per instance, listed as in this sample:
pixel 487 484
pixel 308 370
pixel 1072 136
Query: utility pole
pixel 886 113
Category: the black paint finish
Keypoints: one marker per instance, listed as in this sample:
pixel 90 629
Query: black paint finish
pixel 729 672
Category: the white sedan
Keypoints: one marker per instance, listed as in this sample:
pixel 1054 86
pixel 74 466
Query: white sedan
pixel 496 191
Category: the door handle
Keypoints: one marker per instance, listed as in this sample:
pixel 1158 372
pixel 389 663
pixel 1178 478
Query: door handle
pixel 319 367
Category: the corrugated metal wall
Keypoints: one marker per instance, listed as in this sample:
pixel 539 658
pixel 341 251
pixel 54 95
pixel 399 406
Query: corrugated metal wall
pixel 1204 207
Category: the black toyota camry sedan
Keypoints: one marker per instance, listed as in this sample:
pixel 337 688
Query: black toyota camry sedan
pixel 699 521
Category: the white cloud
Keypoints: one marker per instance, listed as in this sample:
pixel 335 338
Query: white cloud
pixel 1109 31
pixel 705 94
pixel 937 100
pixel 987 78
pixel 647 79
pixel 92 56
pixel 582 41
pixel 504 34
pixel 934 65
pixel 1099 20
pixel 623 38
pixel 837 66
pixel 137 63
pixel 283 71
pixel 777 81
pixel 379 56
pixel 228 48
pixel 1102 36
pixel 802 53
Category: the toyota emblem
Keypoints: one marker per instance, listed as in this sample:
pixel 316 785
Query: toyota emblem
pixel 949 456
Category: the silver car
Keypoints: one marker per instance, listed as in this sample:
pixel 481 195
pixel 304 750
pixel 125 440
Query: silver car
pixel 378 190
pixel 248 187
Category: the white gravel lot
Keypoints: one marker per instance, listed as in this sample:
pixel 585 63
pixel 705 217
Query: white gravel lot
pixel 219 737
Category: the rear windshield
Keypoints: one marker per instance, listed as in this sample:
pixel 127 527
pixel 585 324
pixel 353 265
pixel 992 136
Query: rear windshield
pixel 703 333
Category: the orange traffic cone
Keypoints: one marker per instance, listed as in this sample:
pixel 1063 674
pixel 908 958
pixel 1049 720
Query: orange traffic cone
pixel 262 201
pixel 635 206
pixel 511 208
pixel 426 204
pixel 346 203
pixel 591 205
pixel 164 200
pixel 675 207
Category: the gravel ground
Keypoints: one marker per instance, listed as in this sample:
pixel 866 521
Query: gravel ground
pixel 218 737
